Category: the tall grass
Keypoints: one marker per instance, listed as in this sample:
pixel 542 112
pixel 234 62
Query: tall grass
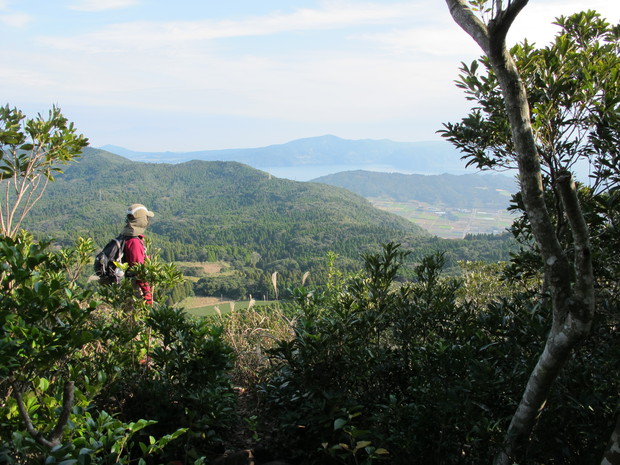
pixel 251 332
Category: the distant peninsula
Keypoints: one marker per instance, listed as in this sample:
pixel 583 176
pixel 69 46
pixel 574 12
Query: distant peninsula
pixel 328 152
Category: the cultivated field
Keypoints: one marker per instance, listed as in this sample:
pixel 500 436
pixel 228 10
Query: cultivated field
pixel 448 223
pixel 205 306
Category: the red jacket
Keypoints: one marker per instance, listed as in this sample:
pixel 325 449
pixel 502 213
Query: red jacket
pixel 135 252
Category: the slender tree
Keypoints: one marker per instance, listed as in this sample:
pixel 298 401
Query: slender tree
pixel 31 151
pixel 568 272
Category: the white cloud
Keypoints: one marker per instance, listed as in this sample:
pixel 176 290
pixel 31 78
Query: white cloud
pixel 172 65
pixel 430 41
pixel 143 34
pixel 380 62
pixel 442 37
pixel 15 19
pixel 16 77
pixel 101 5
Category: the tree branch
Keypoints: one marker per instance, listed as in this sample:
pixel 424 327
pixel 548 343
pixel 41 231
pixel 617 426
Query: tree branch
pixel 500 24
pixel 528 160
pixel 584 275
pixel 30 202
pixel 23 413
pixel 63 420
pixel 4 206
pixel 469 22
pixel 67 404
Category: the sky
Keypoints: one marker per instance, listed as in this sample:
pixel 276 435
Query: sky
pixel 189 75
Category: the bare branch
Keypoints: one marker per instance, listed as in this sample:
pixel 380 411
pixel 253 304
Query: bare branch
pixel 6 206
pixel 30 202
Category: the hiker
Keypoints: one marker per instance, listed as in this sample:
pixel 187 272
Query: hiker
pixel 138 217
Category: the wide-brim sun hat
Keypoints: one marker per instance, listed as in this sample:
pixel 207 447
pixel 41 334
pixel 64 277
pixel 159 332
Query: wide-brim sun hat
pixel 138 210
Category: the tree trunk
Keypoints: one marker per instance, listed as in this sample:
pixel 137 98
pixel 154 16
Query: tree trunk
pixel 571 288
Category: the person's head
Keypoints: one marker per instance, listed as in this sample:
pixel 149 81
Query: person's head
pixel 137 219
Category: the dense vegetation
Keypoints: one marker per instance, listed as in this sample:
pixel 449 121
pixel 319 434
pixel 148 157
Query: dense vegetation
pixel 428 371
pixel 369 370
pixel 84 374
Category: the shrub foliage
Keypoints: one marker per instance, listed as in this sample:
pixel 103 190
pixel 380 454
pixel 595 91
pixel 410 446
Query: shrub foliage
pixel 419 373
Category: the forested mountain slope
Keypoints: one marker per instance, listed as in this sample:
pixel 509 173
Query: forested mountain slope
pixel 207 208
pixel 463 191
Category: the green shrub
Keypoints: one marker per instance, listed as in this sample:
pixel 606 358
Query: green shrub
pixel 181 380
pixel 66 350
pixel 420 373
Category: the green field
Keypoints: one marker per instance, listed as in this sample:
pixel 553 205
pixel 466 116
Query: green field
pixel 446 222
pixel 207 306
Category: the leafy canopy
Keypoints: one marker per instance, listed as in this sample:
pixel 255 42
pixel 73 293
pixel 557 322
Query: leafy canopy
pixel 31 151
pixel 573 86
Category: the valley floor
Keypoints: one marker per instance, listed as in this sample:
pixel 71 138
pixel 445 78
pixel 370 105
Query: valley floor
pixel 446 222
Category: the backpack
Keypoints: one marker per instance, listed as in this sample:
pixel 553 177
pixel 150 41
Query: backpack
pixel 104 261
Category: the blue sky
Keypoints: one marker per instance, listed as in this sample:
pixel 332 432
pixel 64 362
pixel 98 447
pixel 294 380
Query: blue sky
pixel 158 75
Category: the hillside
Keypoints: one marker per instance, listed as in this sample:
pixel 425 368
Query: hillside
pixel 226 207
pixel 464 191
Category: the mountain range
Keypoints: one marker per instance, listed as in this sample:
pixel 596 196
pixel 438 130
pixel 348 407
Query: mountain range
pixel 432 157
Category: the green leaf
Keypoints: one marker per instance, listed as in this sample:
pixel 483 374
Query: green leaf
pixel 362 444
pixel 44 384
pixel 339 423
pixel 85 459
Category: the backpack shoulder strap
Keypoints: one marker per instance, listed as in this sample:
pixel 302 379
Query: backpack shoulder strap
pixel 120 240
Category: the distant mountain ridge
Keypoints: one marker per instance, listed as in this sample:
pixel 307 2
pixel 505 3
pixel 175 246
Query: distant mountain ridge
pixel 463 191
pixel 432 157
